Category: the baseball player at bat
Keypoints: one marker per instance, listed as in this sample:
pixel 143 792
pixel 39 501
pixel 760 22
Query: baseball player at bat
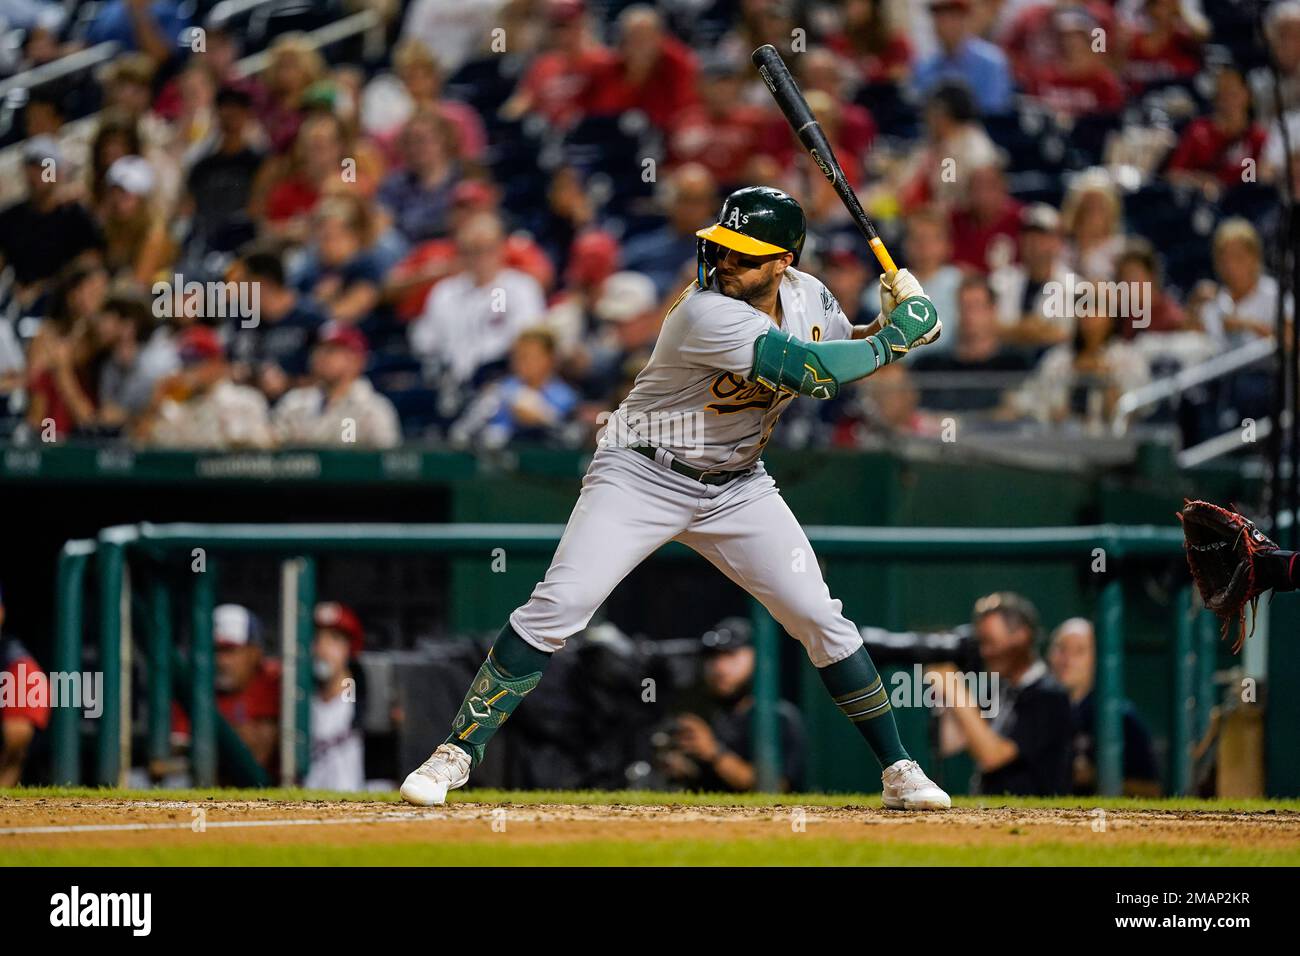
pixel 680 460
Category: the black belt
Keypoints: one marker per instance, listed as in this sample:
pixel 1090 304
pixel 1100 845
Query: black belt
pixel 703 477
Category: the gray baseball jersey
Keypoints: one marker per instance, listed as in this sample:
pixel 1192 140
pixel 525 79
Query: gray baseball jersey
pixel 694 400
pixel 694 396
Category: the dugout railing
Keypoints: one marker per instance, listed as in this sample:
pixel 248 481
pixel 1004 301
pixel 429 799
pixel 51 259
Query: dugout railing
pixel 154 552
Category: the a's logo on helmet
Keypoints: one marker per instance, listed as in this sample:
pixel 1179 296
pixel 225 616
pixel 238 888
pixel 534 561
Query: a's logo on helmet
pixel 736 219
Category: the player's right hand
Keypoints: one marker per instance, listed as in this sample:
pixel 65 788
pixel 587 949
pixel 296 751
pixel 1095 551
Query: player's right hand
pixel 895 287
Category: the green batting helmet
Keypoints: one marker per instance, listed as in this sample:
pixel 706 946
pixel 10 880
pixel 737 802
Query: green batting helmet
pixel 757 221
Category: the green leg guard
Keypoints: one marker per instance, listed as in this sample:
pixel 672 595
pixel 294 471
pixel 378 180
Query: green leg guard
pixel 494 693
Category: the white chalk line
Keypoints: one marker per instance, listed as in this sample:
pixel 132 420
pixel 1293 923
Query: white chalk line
pixel 215 824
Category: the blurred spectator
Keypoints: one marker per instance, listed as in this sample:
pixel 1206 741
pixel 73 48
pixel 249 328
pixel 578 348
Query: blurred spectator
pixel 129 371
pixel 151 26
pixel 955 145
pixel 273 353
pixel 1243 304
pixel 715 751
pixel 1024 289
pixel 199 406
pixel 27 710
pixel 1164 45
pixel 986 224
pixel 409 282
pixel 977 348
pixel 388 103
pixel 41 234
pixel 692 201
pixel 342 279
pixel 1282 31
pixel 1081 82
pixel 562 80
pixel 326 161
pixel 247 684
pixel 927 249
pixel 294 66
pixel 571 317
pixel 877 45
pixel 531 404
pixel 1024 748
pixel 1073 659
pixel 1033 39
pixel 1091 217
pixel 340 408
pixel 418 196
pixel 1212 150
pixel 1081 380
pixel 219 184
pixel 889 404
pixel 456 31
pixel 219 59
pixel 1138 267
pixel 652 72
pixel 471 318
pixel 719 132
pixel 963 56
pixel 850 280
pixel 194 113
pixel 128 101
pixel 62 376
pixel 629 315
pixel 136 239
pixel 337 744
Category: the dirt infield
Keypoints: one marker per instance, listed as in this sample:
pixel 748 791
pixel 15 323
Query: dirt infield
pixel 217 830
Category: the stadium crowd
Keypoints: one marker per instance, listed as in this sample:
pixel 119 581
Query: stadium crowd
pixel 471 231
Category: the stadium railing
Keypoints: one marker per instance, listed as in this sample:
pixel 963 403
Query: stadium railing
pixel 1194 635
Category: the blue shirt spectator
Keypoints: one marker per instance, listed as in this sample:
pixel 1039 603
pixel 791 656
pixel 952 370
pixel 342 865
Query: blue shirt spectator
pixel 980 65
pixel 531 404
pixel 155 31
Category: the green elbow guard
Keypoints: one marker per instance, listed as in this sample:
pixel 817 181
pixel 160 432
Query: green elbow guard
pixel 816 369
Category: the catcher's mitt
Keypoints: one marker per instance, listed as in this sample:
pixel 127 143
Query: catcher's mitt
pixel 1223 550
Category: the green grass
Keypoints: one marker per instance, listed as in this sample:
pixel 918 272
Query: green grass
pixel 801 850
pixel 649 798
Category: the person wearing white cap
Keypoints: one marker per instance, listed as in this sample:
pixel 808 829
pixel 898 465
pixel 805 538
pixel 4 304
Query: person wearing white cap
pixel 137 239
pixel 629 314
pixel 247 683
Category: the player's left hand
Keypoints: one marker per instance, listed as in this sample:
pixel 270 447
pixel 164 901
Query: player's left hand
pixel 696 738
pixel 895 287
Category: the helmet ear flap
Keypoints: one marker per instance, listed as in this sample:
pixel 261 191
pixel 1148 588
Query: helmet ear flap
pixel 706 261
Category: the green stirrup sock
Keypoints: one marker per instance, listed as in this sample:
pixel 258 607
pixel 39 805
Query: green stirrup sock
pixel 512 669
pixel 860 694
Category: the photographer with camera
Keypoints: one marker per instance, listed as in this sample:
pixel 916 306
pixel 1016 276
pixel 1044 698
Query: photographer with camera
pixel 1025 748
pixel 716 752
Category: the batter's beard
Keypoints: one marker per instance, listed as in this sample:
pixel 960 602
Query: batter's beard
pixel 749 295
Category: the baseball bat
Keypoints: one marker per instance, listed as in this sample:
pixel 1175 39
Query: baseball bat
pixel 790 98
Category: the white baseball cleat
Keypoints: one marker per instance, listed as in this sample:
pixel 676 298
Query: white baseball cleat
pixel 446 769
pixel 906 787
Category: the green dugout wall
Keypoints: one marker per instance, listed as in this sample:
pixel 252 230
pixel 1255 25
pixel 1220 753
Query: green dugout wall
pixel 79 491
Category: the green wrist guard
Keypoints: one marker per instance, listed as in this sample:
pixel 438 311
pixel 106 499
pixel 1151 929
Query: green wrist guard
pixel 816 369
pixel 492 697
pixel 913 320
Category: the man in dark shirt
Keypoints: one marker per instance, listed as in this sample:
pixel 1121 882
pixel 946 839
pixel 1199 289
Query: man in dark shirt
pixel 1024 747
pixel 1073 659
pixel 990 368
pixel 43 233
pixel 717 753
pixel 273 355
pixel 220 182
